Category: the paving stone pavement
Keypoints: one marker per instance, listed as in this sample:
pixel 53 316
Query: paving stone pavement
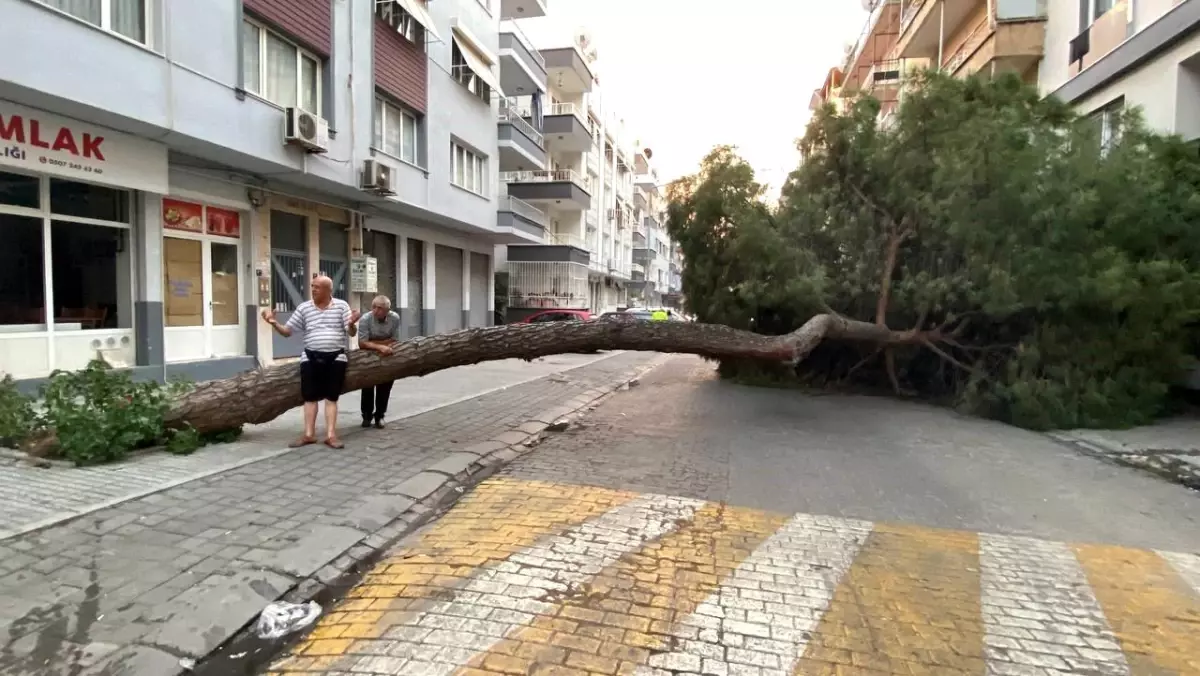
pixel 34 497
pixel 136 587
pixel 533 577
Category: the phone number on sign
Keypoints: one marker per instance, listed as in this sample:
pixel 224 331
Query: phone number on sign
pixel 74 166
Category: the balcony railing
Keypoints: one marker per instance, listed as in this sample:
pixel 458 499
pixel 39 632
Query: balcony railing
pixel 523 209
pixel 883 73
pixel 511 26
pixel 510 113
pixel 560 175
pixel 568 109
pixel 911 9
pixel 978 35
pixel 1020 10
pixel 567 239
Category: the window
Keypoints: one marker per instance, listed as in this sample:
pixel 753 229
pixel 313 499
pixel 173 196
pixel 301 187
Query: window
pixel 1090 10
pixel 123 17
pixel 1107 119
pixel 460 68
pixel 403 22
pixel 396 131
pixel 278 70
pixel 469 170
pixel 87 283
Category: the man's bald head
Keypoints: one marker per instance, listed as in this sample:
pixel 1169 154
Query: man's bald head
pixel 322 288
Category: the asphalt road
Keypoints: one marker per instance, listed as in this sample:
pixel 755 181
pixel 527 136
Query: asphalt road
pixel 684 432
pixel 690 526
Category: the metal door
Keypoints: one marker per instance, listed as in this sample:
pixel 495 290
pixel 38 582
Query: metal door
pixel 415 321
pixel 448 282
pixel 289 276
pixel 335 258
pixel 479 289
pixel 382 245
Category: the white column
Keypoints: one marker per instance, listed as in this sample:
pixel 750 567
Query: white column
pixel 466 280
pixel 491 287
pixel 429 279
pixel 401 272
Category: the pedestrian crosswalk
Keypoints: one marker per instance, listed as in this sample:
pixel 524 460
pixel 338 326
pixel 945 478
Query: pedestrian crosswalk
pixel 526 577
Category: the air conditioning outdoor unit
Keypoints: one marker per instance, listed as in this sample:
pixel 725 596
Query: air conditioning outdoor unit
pixel 377 178
pixel 306 130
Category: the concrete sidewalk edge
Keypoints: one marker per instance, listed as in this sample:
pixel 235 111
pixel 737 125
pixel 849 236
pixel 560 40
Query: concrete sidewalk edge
pixel 259 457
pixel 1167 465
pixel 424 496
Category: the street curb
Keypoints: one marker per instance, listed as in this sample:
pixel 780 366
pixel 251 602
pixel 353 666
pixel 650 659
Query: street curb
pixel 1164 464
pixel 428 494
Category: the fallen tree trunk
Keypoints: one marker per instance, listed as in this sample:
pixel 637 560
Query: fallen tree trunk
pixel 264 394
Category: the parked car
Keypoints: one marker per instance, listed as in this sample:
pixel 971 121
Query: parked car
pixel 561 315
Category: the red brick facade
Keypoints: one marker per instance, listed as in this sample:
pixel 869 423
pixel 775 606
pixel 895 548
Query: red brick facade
pixel 308 21
pixel 401 68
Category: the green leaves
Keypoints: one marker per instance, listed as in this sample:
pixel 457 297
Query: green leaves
pixel 1076 265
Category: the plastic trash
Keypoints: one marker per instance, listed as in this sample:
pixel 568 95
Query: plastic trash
pixel 279 619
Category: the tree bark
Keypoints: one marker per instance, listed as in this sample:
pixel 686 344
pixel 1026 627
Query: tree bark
pixel 264 394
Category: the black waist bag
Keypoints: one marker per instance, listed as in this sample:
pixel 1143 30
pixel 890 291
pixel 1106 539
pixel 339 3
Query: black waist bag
pixel 323 358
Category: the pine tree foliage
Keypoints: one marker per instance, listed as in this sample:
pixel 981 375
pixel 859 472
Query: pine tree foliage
pixel 1052 277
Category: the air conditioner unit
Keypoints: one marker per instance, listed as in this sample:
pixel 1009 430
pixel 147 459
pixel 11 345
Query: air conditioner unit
pixel 306 130
pixel 377 178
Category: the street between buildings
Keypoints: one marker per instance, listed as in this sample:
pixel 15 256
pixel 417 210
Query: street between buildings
pixel 691 526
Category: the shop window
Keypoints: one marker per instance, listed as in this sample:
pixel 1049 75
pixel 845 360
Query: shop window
pixel 84 200
pixel 22 285
pixel 91 276
pixel 18 190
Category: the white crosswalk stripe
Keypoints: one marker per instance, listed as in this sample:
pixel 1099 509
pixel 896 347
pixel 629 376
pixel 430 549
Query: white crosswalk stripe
pixel 763 613
pixel 1039 611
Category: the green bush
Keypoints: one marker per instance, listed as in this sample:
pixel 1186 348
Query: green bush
pixel 18 419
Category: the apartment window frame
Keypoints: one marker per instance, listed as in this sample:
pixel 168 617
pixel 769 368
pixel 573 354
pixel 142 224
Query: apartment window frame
pixel 264 32
pixel 405 24
pixel 106 19
pixel 461 71
pixel 384 112
pixel 1105 117
pixel 468 169
pixel 1090 10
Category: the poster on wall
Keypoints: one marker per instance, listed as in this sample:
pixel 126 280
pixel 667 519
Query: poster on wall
pixel 224 222
pixel 364 274
pixel 180 215
pixel 183 275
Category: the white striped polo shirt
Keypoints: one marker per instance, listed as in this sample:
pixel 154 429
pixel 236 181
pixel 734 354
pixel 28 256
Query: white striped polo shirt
pixel 324 330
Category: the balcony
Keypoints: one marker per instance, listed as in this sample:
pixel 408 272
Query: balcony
pixel 646 181
pixel 565 126
pixel 589 220
pixel 522 68
pixel 639 199
pixel 522 148
pixel 567 67
pixel 522 9
pixel 524 221
pixel 644 255
pixel 1012 44
pixel 558 247
pixel 537 285
pixel 564 190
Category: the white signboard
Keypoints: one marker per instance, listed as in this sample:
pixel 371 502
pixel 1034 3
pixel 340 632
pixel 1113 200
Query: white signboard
pixel 364 274
pixel 37 141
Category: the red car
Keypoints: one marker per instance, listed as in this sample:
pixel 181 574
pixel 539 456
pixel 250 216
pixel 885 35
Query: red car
pixel 558 316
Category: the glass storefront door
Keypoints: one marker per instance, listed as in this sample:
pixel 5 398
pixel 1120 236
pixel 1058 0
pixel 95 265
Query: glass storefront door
pixel 202 307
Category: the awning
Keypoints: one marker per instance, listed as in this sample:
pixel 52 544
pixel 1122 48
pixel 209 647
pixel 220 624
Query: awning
pixel 416 9
pixel 477 61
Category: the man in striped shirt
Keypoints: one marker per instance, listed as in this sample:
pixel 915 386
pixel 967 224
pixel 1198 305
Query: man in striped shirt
pixel 325 322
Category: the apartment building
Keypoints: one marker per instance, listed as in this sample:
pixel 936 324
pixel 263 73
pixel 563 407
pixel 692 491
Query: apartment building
pixel 1103 55
pixel 170 169
pixel 965 37
pixel 573 194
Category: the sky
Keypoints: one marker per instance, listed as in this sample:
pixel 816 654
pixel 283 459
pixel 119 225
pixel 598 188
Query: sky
pixel 686 75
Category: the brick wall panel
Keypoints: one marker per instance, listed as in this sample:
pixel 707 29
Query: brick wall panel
pixel 308 21
pixel 401 68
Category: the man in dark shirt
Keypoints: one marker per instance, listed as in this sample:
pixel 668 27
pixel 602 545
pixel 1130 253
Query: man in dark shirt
pixel 378 331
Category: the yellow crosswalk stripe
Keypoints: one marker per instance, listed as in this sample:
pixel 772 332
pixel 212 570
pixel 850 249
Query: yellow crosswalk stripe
pixel 1153 611
pixel 498 519
pixel 908 604
pixel 612 624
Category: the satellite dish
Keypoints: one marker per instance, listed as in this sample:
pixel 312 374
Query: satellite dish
pixel 648 153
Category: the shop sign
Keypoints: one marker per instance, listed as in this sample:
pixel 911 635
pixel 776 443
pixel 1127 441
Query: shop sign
pixel 224 222
pixel 179 215
pixel 37 141
pixel 364 274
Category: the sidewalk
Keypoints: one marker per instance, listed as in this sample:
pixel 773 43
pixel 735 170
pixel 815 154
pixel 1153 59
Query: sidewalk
pixel 1169 448
pixel 33 497
pixel 136 587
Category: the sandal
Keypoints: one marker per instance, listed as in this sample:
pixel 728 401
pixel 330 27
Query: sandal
pixel 302 441
pixel 333 442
